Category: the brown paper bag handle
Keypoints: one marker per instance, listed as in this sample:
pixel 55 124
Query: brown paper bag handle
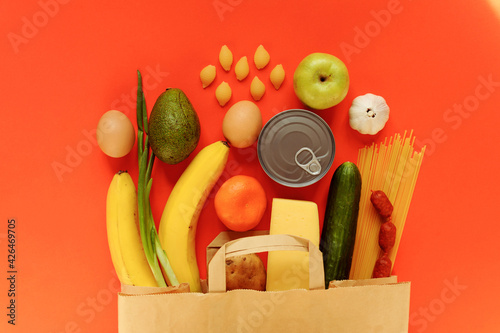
pixel 265 243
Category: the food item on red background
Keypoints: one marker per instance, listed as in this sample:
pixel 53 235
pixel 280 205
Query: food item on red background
pixel 290 269
pixel 387 236
pixel 368 114
pixel 225 58
pixel 296 148
pixel 257 89
pixel 174 127
pixel 115 134
pixel 387 233
pixel 321 81
pixel 241 69
pixel 157 260
pixel 245 272
pixel 277 76
pixel 383 267
pixel 177 229
pixel 124 240
pixel 261 57
pixel 242 124
pixel 240 203
pixel 392 166
pixel 339 227
pixel 207 75
pixel 381 203
pixel 223 93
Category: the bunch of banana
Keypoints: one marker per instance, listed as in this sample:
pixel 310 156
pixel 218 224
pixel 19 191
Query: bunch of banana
pixel 177 229
pixel 124 237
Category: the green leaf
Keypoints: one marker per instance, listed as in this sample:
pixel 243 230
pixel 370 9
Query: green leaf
pixel 155 254
pixel 144 115
pixel 140 102
pixel 165 263
pixel 149 169
pixel 160 280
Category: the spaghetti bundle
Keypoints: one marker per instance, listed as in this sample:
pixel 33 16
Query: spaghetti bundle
pixel 393 167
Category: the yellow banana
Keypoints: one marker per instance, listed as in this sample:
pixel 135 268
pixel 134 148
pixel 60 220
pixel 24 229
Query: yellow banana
pixel 177 229
pixel 124 237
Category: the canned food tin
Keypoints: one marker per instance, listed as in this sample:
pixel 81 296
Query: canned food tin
pixel 296 148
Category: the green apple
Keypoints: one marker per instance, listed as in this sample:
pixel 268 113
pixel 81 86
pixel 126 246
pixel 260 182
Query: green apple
pixel 321 81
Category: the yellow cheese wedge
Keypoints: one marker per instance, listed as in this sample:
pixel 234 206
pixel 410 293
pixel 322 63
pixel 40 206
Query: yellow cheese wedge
pixel 290 269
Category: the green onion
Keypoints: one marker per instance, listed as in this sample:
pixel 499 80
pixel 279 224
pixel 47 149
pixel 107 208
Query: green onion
pixel 155 254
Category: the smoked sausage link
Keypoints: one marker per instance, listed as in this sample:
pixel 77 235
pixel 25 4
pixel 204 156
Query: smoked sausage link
pixel 381 203
pixel 387 236
pixel 387 233
pixel 383 267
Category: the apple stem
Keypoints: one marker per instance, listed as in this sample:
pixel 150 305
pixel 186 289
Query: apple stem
pixel 324 78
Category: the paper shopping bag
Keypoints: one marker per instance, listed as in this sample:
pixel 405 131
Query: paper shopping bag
pixel 375 305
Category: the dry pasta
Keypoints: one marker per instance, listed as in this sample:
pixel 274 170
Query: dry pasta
pixel 393 167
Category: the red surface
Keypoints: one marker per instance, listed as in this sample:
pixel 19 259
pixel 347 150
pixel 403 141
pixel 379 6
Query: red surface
pixel 66 63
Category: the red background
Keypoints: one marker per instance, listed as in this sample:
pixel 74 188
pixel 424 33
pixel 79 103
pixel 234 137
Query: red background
pixel 65 63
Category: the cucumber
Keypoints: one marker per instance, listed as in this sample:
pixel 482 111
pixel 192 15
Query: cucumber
pixel 341 218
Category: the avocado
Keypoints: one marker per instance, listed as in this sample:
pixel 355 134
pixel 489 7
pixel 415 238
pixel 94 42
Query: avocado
pixel 174 127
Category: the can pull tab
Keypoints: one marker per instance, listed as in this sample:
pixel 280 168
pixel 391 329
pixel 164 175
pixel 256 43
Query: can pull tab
pixel 312 167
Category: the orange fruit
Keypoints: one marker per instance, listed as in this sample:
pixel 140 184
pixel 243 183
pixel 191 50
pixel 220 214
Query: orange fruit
pixel 240 203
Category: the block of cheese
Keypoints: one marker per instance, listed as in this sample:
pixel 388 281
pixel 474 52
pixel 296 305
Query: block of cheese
pixel 290 269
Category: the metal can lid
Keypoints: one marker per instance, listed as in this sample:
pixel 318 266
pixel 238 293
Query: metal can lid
pixel 296 148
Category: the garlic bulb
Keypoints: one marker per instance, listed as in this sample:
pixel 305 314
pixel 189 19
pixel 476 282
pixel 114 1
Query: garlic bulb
pixel 368 114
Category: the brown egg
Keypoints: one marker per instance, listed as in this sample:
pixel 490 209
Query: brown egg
pixel 242 124
pixel 115 134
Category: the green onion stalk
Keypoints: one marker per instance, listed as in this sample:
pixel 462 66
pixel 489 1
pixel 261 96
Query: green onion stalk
pixel 155 254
